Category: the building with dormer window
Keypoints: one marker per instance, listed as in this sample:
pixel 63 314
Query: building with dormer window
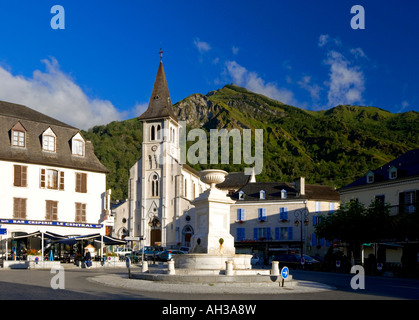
pixel 51 179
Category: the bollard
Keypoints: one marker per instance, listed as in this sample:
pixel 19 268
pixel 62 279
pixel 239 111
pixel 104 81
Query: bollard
pixel 171 267
pixel 229 268
pixel 144 266
pixel 275 268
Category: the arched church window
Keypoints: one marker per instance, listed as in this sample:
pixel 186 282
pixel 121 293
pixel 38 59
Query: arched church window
pixel 158 132
pixel 155 185
pixel 153 133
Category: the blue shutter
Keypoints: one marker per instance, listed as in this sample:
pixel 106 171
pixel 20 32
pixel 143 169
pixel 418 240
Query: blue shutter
pixel 290 236
pixel 259 214
pixel 286 213
pixel 264 214
pixel 277 233
pixel 313 239
pixel 314 221
pixel 240 214
pixel 268 233
pixel 255 234
pixel 240 234
pixel 282 213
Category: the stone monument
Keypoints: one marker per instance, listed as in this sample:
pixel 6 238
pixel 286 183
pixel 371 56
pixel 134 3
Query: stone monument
pixel 212 246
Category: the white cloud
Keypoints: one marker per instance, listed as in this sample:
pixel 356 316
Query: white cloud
pixel 55 94
pixel 253 82
pixel 313 89
pixel 358 53
pixel 346 83
pixel 202 46
pixel 325 39
pixel 140 108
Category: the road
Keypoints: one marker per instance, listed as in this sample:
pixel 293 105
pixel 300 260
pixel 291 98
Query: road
pixel 36 285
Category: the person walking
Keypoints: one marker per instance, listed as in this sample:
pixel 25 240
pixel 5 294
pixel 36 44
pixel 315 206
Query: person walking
pixel 87 259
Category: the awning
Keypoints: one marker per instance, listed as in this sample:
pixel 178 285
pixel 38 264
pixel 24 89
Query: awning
pixel 95 237
pixel 47 235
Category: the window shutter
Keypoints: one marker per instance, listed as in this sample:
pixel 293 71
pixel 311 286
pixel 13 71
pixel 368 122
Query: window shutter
pixel 42 178
pixel 24 176
pixel 84 183
pixel 283 214
pixel 290 235
pixel 262 214
pixel 276 233
pixel 314 221
pixel 240 234
pixel 268 233
pixel 17 182
pixel 61 180
pixel 255 234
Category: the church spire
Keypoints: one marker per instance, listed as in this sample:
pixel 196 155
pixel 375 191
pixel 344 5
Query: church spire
pixel 160 105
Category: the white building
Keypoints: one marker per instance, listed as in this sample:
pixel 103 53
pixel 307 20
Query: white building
pixel 50 178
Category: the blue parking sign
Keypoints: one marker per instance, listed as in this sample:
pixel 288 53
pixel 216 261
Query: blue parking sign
pixel 285 272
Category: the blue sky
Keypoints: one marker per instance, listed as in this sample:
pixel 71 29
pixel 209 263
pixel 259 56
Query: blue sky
pixel 101 67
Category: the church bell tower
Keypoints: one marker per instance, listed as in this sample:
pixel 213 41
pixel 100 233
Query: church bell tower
pixel 160 156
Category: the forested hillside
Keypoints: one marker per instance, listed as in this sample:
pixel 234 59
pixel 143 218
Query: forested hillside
pixel 331 147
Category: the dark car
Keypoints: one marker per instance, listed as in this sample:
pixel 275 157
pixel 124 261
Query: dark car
pixel 150 253
pixel 168 254
pixel 294 261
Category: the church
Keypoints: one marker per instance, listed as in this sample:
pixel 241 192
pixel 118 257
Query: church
pixel 266 218
pixel 161 189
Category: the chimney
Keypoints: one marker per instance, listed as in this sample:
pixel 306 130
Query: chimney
pixel 300 185
pixel 253 176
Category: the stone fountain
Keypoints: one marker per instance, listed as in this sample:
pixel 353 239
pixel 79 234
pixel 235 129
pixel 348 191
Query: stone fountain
pixel 212 246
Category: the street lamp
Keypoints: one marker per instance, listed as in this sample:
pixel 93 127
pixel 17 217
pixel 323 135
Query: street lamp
pixel 301 217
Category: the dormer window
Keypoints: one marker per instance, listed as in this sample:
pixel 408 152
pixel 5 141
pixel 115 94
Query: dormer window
pixel 48 140
pixel 77 145
pixel 370 177
pixel 283 194
pixel 392 173
pixel 262 195
pixel 241 195
pixel 18 136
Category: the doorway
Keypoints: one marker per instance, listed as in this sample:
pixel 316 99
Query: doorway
pixel 155 236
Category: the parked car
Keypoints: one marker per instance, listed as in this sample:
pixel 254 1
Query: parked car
pixel 121 252
pixel 168 254
pixel 294 261
pixel 150 252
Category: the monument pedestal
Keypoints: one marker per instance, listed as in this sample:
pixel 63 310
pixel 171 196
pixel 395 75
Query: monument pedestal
pixel 212 245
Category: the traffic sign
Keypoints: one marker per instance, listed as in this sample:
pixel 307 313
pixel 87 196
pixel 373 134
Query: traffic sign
pixel 285 272
pixel 132 238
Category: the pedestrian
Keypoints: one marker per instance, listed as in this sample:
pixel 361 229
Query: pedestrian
pixel 88 259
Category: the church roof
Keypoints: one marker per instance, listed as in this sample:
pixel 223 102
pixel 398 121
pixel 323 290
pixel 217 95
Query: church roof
pixel 160 105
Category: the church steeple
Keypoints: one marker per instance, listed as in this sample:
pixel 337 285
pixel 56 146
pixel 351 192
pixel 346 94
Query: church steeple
pixel 160 105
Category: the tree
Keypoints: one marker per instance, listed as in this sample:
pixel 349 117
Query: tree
pixel 354 224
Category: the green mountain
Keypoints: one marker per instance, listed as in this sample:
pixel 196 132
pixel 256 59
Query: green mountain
pixel 332 147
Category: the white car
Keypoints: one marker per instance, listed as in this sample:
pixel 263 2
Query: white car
pixel 123 251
